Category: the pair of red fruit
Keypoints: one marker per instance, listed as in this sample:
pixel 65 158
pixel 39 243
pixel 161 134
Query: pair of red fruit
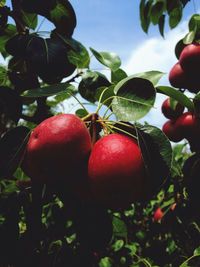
pixel 60 150
pixel 185 73
pixel 180 125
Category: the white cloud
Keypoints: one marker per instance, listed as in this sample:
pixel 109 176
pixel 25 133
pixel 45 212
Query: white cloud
pixel 156 54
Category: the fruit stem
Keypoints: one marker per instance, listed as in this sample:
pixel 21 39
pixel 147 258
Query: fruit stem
pixel 99 100
pixel 94 132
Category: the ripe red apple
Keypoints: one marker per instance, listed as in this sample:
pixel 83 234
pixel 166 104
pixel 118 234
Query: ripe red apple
pixel 181 78
pixel 190 58
pixel 189 125
pixel 172 131
pixel 169 112
pixel 158 214
pixel 58 149
pixel 116 171
pixel 177 77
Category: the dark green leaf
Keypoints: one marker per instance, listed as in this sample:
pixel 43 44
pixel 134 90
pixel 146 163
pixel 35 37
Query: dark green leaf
pixel 63 17
pixel 156 11
pixel 161 25
pixel 29 19
pixel 175 17
pixel 3 76
pixel 105 262
pixel 109 59
pixel 91 81
pixel 8 32
pixel 106 94
pixel 144 14
pixel 118 75
pixel 49 90
pixel 118 245
pixel 12 146
pixel 81 113
pixel 177 95
pixel 134 98
pixel 179 47
pixel 157 154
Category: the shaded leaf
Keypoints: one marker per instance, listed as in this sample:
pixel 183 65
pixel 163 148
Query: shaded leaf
pixel 175 17
pixel 157 154
pixel 118 75
pixel 119 228
pixel 12 146
pixel 161 25
pixel 153 76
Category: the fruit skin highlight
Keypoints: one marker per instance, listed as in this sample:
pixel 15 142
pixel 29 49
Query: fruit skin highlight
pixel 158 214
pixel 58 150
pixel 116 171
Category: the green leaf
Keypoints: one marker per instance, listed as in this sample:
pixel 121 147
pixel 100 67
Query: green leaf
pixel 118 245
pixel 156 11
pixel 161 25
pixel 49 90
pixel 153 76
pixel 119 228
pixel 179 48
pixel 157 154
pixel 105 262
pixel 177 95
pixel 189 37
pixel 194 23
pixel 118 75
pixel 3 76
pixel 79 56
pixel 175 16
pixel 185 263
pixel 108 59
pixel 134 98
pixel 197 252
pixel 81 113
pixel 106 94
pixel 29 19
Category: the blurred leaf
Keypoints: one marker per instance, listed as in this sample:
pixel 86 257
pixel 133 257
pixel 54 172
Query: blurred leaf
pixel 49 90
pixel 118 245
pixel 29 19
pixel 157 10
pixel 119 228
pixel 118 75
pixel 81 113
pixel 109 59
pixel 134 98
pixel 194 23
pixel 177 95
pixel 144 14
pixel 105 262
pixel 175 17
pixel 5 35
pixel 188 39
pixel 179 47
pixel 3 76
pixel 161 25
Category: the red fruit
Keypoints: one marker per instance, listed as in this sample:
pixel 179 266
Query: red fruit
pixel 172 131
pixel 177 77
pixel 180 78
pixel 116 171
pixel 169 112
pixel 158 214
pixel 190 58
pixel 189 125
pixel 58 149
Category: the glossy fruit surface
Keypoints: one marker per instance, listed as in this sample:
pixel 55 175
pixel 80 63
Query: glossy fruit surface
pixel 169 112
pixel 58 149
pixel 172 131
pixel 116 171
pixel 189 125
pixel 177 76
pixel 158 214
pixel 190 58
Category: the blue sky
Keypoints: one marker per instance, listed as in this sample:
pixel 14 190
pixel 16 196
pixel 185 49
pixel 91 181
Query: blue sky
pixel 114 25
